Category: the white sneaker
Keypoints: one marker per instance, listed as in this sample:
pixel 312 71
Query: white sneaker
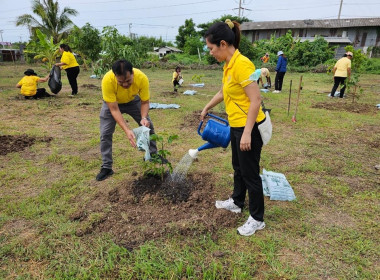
pixel 250 227
pixel 276 91
pixel 228 205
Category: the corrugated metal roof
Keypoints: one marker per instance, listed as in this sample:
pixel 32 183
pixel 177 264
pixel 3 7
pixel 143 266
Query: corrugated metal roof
pixel 310 23
pixel 339 40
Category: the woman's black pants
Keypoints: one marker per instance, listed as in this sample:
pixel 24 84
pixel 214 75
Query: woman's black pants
pixel 72 74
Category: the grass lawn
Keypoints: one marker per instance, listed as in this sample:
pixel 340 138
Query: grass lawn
pixel 58 222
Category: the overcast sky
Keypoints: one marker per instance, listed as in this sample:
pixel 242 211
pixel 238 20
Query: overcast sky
pixel 162 18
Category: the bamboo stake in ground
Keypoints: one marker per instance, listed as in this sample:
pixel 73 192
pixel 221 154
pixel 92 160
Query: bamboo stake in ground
pixel 298 99
pixel 290 93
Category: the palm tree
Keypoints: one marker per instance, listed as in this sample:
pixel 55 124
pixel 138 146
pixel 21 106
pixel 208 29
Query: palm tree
pixel 51 23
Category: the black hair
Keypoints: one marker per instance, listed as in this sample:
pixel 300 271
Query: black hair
pixel 65 47
pixel 345 55
pixel 177 68
pixel 221 31
pixel 121 67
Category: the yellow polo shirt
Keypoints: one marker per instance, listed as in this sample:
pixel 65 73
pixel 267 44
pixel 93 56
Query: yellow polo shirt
pixel 113 92
pixel 341 67
pixel 29 85
pixel 175 76
pixel 69 59
pixel 235 78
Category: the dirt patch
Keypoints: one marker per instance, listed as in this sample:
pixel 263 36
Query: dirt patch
pixel 17 143
pixel 166 93
pixel 148 209
pixel 349 107
pixel 192 120
pixel 90 86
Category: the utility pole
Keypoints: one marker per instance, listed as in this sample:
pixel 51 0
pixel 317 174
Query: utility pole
pixel 241 9
pixel 1 34
pixel 340 8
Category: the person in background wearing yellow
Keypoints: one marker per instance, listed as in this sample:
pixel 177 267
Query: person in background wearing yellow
pixel 265 58
pixel 242 101
pixel 70 65
pixel 341 71
pixel 28 85
pixel 265 74
pixel 177 76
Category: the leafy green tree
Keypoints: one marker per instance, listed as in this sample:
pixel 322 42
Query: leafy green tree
pixel 246 48
pixel 51 22
pixel 185 32
pixel 358 60
pixel 86 41
pixel 115 46
pixel 193 44
pixel 44 49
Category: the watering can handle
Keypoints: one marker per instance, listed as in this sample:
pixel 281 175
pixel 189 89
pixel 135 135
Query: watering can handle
pixel 213 116
pixel 218 118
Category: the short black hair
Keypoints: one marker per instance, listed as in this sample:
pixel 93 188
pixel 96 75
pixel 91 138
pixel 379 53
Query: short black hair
pixel 121 67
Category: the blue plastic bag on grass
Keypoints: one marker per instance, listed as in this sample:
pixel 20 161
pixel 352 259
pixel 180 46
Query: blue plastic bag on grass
pixel 276 186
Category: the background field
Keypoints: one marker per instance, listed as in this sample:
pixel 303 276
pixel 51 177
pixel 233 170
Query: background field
pixel 53 212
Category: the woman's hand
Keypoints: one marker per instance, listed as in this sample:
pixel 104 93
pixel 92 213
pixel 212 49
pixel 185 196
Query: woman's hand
pixel 245 142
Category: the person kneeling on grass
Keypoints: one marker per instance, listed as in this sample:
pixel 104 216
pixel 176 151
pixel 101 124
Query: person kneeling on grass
pixel 177 78
pixel 28 85
pixel 125 90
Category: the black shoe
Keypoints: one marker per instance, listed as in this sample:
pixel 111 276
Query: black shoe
pixel 104 174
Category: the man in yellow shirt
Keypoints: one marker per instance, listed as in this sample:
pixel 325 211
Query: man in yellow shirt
pixel 125 90
pixel 341 71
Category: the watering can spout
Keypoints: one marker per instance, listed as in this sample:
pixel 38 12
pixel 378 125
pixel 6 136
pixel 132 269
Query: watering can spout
pixel 194 152
pixel 207 145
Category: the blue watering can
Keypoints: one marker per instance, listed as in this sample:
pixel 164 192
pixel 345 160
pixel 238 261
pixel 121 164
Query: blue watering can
pixel 216 132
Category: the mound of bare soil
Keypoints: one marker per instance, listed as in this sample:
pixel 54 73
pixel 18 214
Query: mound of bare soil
pixel 193 120
pixel 347 106
pixel 17 143
pixel 148 209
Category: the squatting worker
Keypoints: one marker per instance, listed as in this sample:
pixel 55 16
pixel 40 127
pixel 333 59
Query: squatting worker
pixel 265 74
pixel 125 90
pixel 341 71
pixel 242 102
pixel 70 65
pixel 177 76
pixel 29 83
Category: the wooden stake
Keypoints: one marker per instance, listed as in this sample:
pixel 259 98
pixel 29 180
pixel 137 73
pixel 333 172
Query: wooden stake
pixel 290 93
pixel 298 99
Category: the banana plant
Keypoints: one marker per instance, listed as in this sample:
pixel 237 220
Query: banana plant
pixel 45 49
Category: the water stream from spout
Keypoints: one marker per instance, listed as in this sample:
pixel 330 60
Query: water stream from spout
pixel 180 171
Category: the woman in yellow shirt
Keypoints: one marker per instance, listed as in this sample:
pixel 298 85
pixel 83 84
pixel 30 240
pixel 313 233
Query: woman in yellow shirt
pixel 70 65
pixel 177 76
pixel 242 101
pixel 28 85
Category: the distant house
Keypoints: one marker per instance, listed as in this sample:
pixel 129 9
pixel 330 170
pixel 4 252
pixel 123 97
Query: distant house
pixel 162 51
pixel 11 55
pixel 359 32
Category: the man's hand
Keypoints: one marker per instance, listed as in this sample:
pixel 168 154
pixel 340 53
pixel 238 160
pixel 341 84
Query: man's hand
pixel 131 137
pixel 145 122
